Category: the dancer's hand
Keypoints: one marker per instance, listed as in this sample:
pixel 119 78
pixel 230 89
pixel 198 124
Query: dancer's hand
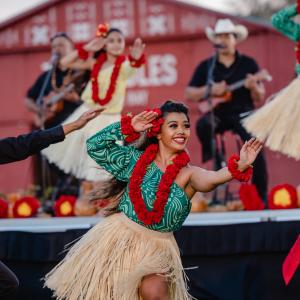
pixel 248 153
pixel 137 49
pixel 142 121
pixel 95 44
pixel 82 120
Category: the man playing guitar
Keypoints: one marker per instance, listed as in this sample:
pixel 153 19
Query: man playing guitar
pixel 231 67
pixel 51 114
pixel 61 99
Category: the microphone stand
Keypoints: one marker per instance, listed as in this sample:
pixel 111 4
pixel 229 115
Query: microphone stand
pixel 40 104
pixel 208 97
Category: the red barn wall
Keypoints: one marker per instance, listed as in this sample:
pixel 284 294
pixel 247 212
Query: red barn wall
pixel 171 62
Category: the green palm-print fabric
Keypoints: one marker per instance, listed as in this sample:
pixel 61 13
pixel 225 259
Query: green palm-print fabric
pixel 282 21
pixel 120 160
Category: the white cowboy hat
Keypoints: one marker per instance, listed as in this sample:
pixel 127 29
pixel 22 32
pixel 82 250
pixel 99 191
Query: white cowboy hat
pixel 227 26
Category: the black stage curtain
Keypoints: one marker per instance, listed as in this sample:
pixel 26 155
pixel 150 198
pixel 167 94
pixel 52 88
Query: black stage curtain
pixel 230 262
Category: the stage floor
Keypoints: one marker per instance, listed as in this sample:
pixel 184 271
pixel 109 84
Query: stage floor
pixel 194 219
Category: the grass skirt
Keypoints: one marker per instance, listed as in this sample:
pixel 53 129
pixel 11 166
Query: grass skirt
pixel 278 122
pixel 109 262
pixel 71 156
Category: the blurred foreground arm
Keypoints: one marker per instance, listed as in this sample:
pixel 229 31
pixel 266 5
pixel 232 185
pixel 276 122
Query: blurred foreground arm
pixel 20 147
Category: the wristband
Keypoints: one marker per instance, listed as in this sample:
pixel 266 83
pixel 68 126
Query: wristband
pixel 237 174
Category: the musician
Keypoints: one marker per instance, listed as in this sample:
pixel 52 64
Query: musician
pixel 59 79
pixel 231 66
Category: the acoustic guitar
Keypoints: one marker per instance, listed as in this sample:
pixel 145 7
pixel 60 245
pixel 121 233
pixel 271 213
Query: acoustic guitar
pixel 52 105
pixel 204 106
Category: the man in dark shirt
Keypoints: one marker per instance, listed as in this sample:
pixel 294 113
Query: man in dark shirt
pixel 56 79
pixel 18 148
pixel 230 67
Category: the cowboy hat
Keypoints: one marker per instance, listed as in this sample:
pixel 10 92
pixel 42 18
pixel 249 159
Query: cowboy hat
pixel 227 26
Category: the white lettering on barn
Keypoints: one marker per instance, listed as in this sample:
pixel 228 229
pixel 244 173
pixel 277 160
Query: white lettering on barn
pixel 160 70
pixel 137 98
pixel 81 20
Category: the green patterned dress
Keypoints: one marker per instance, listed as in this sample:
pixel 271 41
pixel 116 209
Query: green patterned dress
pixel 119 160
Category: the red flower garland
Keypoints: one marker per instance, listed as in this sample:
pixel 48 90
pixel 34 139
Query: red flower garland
pixel 298 7
pixel 113 80
pixel 162 194
pixel 292 192
pixel 250 198
pixel 64 206
pixel 26 207
pixel 156 123
pixel 129 132
pixel 102 30
pixel 82 54
pixel 137 63
pixel 233 169
pixel 127 129
pixel 3 209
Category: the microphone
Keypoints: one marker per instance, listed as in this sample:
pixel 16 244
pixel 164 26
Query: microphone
pixel 54 58
pixel 219 46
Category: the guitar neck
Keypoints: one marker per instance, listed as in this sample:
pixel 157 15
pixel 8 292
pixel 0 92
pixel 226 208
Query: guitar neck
pixel 60 95
pixel 236 85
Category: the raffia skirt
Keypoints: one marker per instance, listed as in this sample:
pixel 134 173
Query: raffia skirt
pixel 110 261
pixel 278 122
pixel 71 156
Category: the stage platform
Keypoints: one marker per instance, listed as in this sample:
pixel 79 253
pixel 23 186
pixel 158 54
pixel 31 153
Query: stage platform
pixel 227 256
pixel 194 219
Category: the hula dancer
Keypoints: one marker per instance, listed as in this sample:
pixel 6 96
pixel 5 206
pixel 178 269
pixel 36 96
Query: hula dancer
pixel 277 122
pixel 132 254
pixel 110 71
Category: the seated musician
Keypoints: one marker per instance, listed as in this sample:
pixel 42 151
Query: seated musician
pixel 231 67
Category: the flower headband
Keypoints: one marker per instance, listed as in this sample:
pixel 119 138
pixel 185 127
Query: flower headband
pixel 131 135
pixel 156 123
pixel 102 30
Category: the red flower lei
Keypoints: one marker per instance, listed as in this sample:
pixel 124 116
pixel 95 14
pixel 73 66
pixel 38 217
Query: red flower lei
pixel 113 80
pixel 250 198
pixel 236 174
pixel 162 194
pixel 155 129
pixel 131 135
pixel 3 209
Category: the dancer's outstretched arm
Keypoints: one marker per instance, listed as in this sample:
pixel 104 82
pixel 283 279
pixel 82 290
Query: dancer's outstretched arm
pixel 204 181
pixel 72 60
pixel 20 147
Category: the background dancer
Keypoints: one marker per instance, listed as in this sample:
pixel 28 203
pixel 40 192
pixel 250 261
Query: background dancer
pixel 133 252
pixel 110 71
pixel 277 122
pixel 231 67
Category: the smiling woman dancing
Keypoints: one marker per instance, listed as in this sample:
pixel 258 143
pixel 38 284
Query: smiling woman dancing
pixel 132 254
